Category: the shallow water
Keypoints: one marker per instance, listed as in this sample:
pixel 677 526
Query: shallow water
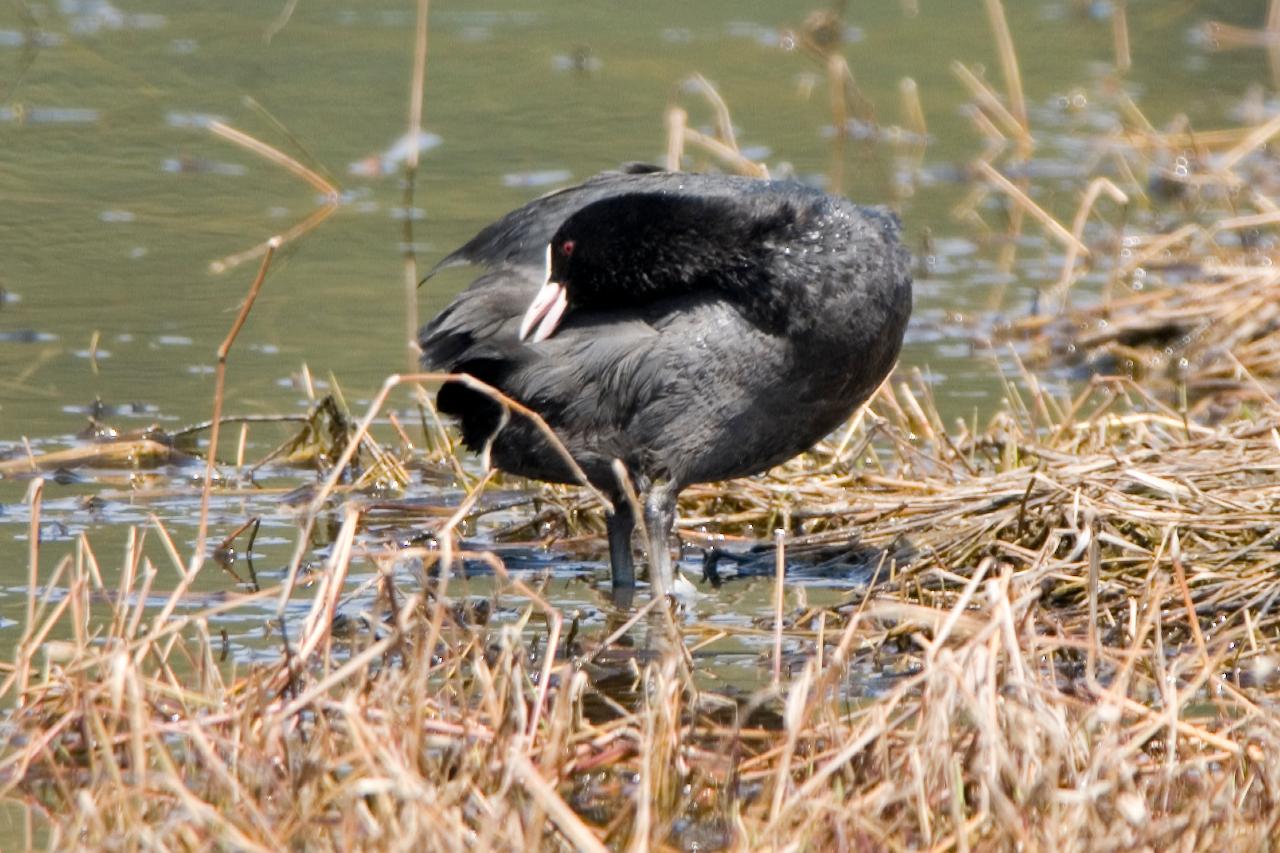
pixel 115 201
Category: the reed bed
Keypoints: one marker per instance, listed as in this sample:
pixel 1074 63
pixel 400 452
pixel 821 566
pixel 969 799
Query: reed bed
pixel 1168 269
pixel 1213 339
pixel 1069 641
pixel 1168 252
pixel 1061 630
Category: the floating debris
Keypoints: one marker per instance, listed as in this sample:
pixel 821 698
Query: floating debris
pixel 393 159
pixel 196 121
pixel 536 178
pixel 762 35
pixel 98 410
pixel 20 114
pixel 201 166
pixel 580 60
pixel 90 17
pixel 412 214
pixel 34 38
pixel 26 336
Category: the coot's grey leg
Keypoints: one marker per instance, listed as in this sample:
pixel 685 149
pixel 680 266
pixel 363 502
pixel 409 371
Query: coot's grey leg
pixel 659 518
pixel 620 524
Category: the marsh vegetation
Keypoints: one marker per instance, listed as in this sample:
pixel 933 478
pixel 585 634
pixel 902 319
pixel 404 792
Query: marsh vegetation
pixel 1032 603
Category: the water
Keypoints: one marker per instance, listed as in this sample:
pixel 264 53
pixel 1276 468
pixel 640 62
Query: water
pixel 116 200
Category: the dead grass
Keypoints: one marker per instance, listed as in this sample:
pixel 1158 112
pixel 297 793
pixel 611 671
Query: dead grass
pixel 1176 222
pixel 1076 645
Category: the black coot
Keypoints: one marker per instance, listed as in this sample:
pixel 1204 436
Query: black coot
pixel 695 327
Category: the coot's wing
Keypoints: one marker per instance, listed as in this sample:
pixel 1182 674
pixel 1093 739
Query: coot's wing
pixel 593 356
pixel 487 312
pixel 522 235
pixel 588 381
pixel 592 382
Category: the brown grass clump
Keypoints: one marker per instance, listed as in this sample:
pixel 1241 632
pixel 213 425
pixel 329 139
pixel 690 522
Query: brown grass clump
pixel 1215 339
pixel 1074 645
pixel 1168 269
pixel 1178 224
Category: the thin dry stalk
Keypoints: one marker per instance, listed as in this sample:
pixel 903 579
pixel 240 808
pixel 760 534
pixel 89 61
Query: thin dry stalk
pixel 779 599
pixel 319 182
pixel 224 350
pixel 990 103
pixel 417 88
pixel 1024 202
pixel 677 121
pixel 275 155
pixel 1120 35
pixel 1008 60
pixel 1097 187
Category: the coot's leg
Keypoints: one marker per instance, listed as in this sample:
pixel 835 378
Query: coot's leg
pixel 659 518
pixel 620 525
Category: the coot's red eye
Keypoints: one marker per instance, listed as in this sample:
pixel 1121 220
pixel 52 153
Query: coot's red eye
pixel 567 248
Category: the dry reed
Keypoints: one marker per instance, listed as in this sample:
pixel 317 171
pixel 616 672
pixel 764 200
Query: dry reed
pixel 1191 308
pixel 1072 638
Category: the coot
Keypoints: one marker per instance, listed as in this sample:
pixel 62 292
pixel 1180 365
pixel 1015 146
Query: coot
pixel 695 327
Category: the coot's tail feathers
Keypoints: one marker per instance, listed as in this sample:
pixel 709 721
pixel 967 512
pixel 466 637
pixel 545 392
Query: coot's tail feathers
pixel 520 237
pixel 478 414
pixel 468 337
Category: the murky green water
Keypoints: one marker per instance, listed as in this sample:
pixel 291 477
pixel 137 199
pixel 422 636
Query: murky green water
pixel 112 205
pixel 115 199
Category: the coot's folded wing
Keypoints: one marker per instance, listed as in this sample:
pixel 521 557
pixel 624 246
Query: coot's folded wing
pixel 596 362
pixel 487 311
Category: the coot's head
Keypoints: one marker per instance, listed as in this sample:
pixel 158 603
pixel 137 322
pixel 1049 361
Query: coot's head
pixel 630 249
